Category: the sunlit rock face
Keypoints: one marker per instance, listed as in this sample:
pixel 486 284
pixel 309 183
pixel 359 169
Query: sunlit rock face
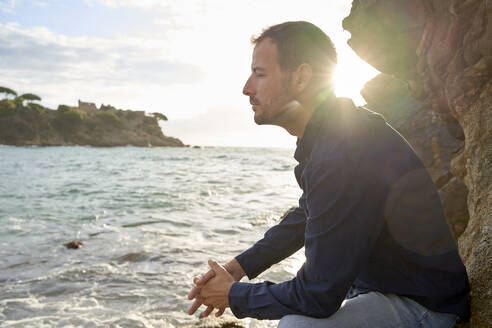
pixel 443 50
pixel 383 35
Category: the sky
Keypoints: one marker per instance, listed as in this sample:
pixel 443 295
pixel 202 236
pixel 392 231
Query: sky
pixel 187 59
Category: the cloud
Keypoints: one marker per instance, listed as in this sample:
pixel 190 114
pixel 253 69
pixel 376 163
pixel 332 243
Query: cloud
pixel 40 3
pixel 134 3
pixel 239 11
pixel 50 57
pixel 126 72
pixel 8 6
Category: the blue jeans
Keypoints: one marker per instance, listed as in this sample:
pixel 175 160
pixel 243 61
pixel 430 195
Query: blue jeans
pixel 375 310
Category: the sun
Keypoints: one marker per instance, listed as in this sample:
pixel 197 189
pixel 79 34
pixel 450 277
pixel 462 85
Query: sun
pixel 351 74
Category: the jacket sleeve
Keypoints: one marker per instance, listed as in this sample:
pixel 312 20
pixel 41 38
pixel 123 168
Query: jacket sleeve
pixel 344 221
pixel 279 242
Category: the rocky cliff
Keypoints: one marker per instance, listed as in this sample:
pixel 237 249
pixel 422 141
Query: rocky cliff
pixel 442 49
pixel 31 124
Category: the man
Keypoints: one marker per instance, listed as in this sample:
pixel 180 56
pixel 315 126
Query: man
pixel 378 249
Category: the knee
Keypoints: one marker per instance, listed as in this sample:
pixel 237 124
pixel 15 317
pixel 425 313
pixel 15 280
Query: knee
pixel 292 321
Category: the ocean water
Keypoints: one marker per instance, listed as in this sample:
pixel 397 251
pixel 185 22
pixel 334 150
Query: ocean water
pixel 149 219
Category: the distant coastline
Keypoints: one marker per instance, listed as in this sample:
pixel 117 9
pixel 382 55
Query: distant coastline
pixel 23 122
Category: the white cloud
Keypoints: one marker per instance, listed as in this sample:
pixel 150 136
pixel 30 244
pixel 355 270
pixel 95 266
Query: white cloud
pixel 109 3
pixel 8 6
pixel 40 52
pixel 134 3
pixel 40 3
pixel 223 16
pixel 42 61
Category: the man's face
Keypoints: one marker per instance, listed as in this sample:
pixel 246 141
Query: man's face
pixel 268 87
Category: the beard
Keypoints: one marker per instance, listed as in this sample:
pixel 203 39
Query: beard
pixel 286 113
pixel 274 112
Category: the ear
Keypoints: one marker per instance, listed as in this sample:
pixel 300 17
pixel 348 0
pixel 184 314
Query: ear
pixel 302 77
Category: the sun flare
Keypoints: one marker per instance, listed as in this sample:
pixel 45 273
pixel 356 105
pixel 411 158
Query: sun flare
pixel 351 74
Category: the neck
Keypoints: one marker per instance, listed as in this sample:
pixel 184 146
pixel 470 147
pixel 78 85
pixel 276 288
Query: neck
pixel 296 116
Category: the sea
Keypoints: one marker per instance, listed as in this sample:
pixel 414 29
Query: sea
pixel 148 218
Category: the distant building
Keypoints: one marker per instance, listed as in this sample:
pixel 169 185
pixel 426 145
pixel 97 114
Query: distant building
pixel 87 106
pixel 107 108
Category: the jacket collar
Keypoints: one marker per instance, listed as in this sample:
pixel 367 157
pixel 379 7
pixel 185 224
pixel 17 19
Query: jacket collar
pixel 306 143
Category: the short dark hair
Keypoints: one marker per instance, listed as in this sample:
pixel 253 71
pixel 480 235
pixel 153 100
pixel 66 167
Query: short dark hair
pixel 301 42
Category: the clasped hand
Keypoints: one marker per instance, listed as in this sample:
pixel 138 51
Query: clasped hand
pixel 212 290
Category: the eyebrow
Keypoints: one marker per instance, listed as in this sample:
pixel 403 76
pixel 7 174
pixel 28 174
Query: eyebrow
pixel 257 68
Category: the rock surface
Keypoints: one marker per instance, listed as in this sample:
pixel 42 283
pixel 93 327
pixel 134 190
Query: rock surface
pixel 443 50
pixel 83 125
pixel 74 244
pixel 225 321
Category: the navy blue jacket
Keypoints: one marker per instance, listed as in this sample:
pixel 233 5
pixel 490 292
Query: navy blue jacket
pixel 369 218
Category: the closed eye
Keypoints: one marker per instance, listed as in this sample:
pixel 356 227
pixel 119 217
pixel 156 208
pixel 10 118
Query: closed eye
pixel 258 71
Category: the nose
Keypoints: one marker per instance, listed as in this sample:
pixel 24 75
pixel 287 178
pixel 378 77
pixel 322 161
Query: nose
pixel 247 89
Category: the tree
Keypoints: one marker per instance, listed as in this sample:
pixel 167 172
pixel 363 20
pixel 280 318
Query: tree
pixel 37 107
pixel 26 96
pixel 30 96
pixel 7 107
pixel 8 91
pixel 160 116
pixel 67 122
pixel 64 108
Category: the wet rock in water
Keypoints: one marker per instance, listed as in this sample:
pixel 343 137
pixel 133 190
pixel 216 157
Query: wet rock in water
pixel 226 324
pixel 74 244
pixel 225 321
pixel 132 257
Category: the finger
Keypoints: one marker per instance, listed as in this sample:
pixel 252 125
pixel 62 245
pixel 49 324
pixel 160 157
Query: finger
pixel 207 312
pixel 206 277
pixel 219 312
pixel 216 267
pixel 193 292
pixel 196 304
